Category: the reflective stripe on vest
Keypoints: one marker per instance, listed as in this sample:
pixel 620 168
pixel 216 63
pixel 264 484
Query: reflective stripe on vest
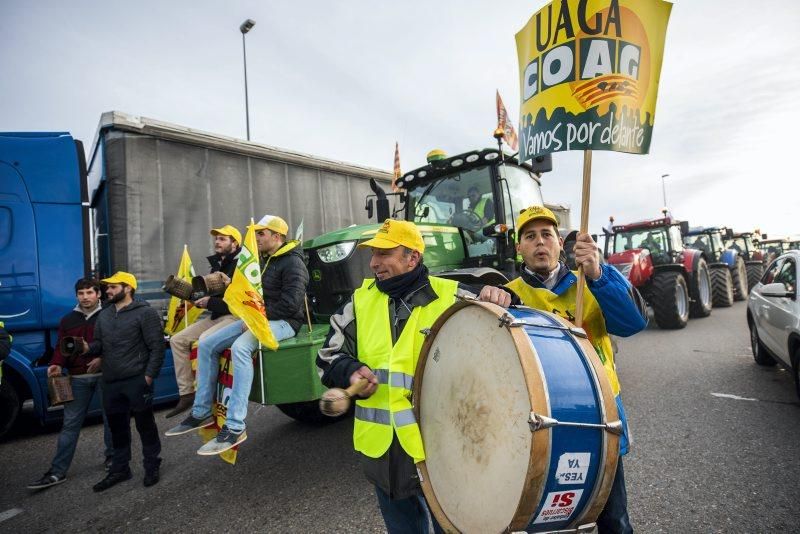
pixel 389 409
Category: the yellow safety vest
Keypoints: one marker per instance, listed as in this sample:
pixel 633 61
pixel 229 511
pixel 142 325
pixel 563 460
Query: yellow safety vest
pixel 480 210
pixel 564 306
pixel 389 409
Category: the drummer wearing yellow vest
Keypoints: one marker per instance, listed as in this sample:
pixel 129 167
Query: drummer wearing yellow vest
pixel 376 335
pixel 611 305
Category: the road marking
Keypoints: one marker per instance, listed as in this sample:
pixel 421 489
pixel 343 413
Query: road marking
pixel 8 514
pixel 734 397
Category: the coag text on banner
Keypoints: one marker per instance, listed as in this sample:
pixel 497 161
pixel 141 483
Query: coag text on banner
pixel 589 73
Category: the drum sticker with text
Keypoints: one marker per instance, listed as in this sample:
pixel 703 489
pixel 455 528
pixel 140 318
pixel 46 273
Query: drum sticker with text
pixel 559 505
pixel 572 467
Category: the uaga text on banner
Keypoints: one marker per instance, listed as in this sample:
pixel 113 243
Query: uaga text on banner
pixel 589 73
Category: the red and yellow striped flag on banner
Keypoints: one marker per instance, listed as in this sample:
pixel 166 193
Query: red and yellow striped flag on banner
pixel 509 134
pixel 182 313
pixel 244 296
pixel 397 171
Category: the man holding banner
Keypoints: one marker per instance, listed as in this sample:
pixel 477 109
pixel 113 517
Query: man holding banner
pixel 226 251
pixel 589 75
pixel 265 319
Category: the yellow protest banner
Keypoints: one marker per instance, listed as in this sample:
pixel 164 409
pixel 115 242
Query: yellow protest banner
pixel 589 73
pixel 181 313
pixel 244 296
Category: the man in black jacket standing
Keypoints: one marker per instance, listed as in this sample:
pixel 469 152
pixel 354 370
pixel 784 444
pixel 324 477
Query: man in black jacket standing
pixel 128 333
pixel 284 278
pixel 226 248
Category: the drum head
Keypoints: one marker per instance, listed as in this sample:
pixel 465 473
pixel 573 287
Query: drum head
pixel 474 407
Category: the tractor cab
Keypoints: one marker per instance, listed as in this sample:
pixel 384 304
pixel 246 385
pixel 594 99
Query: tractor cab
pixel 660 239
pixel 744 244
pixel 709 240
pixel 772 248
pixel 465 207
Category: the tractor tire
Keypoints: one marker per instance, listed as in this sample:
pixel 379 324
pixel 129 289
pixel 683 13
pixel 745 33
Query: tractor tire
pixel 9 406
pixel 760 354
pixel 739 277
pixel 308 413
pixel 700 291
pixel 754 273
pixel 670 300
pixel 721 287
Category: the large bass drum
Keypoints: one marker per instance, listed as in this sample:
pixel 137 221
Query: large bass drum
pixel 518 419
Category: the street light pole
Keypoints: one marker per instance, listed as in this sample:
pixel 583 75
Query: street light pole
pixel 245 27
pixel 664 188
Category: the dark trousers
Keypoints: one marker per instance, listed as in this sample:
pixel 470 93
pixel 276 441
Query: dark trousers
pixel 406 516
pixel 121 400
pixel 614 517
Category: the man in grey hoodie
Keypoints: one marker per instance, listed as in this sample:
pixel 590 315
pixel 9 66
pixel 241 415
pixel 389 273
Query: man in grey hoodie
pixel 128 332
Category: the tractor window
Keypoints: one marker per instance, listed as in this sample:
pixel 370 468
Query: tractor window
pixel 739 244
pixel 699 242
pixel 675 238
pixel 716 240
pixel 652 239
pixel 524 191
pixel 461 199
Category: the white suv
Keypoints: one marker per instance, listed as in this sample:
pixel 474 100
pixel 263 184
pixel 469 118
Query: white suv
pixel 773 314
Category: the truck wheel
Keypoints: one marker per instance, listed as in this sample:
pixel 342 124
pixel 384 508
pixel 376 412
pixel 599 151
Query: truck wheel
pixel 721 287
pixel 739 276
pixel 760 354
pixel 670 300
pixel 754 273
pixel 308 413
pixel 701 291
pixel 9 406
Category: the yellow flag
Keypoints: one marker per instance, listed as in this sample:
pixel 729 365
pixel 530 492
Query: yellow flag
pixel 244 297
pixel 182 313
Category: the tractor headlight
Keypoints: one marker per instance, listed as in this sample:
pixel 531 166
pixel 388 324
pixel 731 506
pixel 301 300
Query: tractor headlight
pixel 624 268
pixel 336 252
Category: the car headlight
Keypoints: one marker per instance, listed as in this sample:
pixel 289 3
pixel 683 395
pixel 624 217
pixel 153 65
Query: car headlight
pixel 336 252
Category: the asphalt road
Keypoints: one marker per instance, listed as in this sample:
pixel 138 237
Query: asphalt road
pixel 716 449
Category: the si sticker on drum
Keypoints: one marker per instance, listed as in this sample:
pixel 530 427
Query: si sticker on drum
pixel 572 467
pixel 559 506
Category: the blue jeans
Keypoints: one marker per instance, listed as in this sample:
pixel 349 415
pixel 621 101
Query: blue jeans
pixel 406 516
pixel 242 345
pixel 614 517
pixel 83 389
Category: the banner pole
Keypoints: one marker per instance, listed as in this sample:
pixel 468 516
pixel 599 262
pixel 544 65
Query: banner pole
pixel 261 372
pixel 185 305
pixel 587 186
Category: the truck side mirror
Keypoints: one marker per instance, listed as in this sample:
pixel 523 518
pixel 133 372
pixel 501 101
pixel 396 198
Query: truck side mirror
pixel 763 236
pixel 729 233
pixel 368 207
pixel 541 164
pixel 684 227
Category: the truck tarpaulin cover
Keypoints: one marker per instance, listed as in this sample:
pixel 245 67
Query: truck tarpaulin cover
pixel 589 73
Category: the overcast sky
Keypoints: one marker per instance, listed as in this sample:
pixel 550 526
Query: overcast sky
pixel 345 79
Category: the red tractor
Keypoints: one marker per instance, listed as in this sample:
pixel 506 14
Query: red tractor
pixel 674 280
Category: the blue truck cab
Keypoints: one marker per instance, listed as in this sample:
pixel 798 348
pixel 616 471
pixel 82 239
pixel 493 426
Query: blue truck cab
pixel 45 246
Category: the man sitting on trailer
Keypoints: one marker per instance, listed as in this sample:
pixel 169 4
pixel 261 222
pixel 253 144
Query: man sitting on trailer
pixel 284 278
pixel 611 305
pixel 226 250
pixel 376 335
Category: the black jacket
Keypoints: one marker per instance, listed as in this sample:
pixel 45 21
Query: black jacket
pixel 284 280
pixel 131 341
pixel 226 264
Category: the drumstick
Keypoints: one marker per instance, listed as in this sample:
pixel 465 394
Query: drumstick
pixel 336 401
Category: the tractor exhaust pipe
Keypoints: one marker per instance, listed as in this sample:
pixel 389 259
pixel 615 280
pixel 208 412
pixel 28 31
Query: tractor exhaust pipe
pixel 381 201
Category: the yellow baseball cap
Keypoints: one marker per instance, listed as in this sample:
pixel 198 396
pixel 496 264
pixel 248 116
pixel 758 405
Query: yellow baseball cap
pixel 229 231
pixel 397 234
pixel 274 223
pixel 532 213
pixel 121 277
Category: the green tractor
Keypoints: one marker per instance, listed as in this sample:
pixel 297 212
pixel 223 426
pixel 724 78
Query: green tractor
pixel 465 206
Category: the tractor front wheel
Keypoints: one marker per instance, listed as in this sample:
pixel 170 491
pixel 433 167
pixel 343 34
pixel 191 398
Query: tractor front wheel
pixel 721 287
pixel 739 275
pixel 670 300
pixel 701 291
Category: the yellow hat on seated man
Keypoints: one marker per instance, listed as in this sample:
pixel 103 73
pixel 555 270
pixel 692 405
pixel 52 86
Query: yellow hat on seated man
pixel 121 277
pixel 531 214
pixel 397 234
pixel 274 223
pixel 229 231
